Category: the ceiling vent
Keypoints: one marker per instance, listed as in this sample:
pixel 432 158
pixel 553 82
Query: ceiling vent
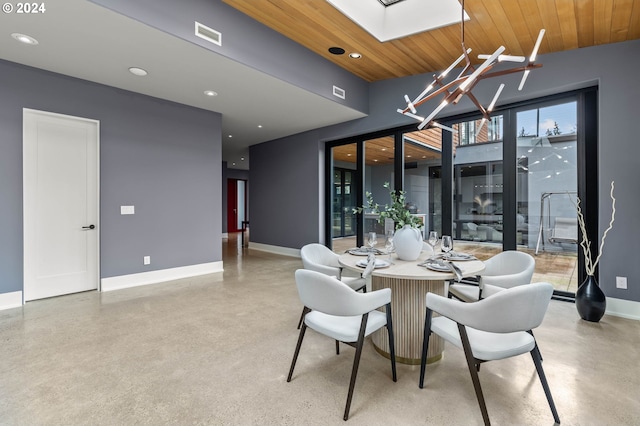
pixel 339 92
pixel 208 34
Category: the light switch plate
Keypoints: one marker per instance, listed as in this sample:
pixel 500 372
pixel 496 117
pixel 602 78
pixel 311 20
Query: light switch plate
pixel 621 282
pixel 127 209
pixel 147 260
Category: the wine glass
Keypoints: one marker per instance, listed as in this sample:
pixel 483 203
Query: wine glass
pixel 388 244
pixel 432 241
pixel 447 244
pixel 372 240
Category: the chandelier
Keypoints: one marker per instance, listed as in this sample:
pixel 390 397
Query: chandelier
pixel 464 83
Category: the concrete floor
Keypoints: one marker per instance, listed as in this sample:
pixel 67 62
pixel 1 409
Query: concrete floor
pixel 216 350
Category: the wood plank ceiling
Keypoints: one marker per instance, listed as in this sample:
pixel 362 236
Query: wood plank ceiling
pixel 569 24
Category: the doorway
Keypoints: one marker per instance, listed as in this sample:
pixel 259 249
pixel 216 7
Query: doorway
pixel 236 205
pixel 61 204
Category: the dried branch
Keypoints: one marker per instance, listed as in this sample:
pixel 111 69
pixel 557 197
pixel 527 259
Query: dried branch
pixel 589 264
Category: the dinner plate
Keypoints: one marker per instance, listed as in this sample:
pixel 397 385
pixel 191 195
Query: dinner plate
pixel 380 263
pixel 460 257
pixel 435 266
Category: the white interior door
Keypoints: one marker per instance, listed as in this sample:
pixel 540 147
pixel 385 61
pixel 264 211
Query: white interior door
pixel 60 180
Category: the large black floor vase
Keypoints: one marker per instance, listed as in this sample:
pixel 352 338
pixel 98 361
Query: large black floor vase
pixel 590 300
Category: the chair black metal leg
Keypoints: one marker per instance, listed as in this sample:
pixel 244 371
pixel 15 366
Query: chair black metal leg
pixel 531 333
pixel 356 363
pixel 392 346
pixel 537 360
pixel 295 354
pixel 425 346
pixel 305 311
pixel 337 347
pixel 471 363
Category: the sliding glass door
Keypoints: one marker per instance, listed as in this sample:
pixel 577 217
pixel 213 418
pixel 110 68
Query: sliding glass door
pixel 547 185
pixel 343 186
pixel 507 183
pixel 422 160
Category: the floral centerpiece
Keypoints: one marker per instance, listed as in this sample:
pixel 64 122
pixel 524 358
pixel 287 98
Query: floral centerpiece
pixel 408 238
pixel 396 211
pixel 590 300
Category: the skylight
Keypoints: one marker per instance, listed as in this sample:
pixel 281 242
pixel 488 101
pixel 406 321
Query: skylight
pixel 405 18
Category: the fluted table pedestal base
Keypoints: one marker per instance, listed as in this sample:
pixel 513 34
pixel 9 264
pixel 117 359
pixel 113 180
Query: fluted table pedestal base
pixel 408 308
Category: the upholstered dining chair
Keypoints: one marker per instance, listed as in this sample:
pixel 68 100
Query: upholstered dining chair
pixel 506 269
pixel 319 258
pixel 335 310
pixel 494 328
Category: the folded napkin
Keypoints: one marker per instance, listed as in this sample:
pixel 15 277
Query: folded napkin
pixel 371 263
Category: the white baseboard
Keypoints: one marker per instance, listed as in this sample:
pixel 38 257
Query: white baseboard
pixel 623 308
pixel 225 235
pixel 285 251
pixel 155 277
pixel 10 300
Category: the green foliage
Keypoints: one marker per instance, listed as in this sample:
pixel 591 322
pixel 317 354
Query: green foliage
pixel 397 211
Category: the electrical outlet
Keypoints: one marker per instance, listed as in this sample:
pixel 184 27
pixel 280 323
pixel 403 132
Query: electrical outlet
pixel 147 260
pixel 621 282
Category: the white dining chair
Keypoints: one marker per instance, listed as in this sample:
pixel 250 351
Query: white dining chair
pixel 337 311
pixel 494 328
pixel 319 258
pixel 506 269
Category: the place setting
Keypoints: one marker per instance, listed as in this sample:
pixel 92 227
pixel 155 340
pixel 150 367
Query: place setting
pixel 372 240
pixel 444 262
pixel 372 262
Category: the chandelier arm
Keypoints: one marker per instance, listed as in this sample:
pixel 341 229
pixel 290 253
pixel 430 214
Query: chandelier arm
pixel 444 88
pixel 484 112
pixel 509 71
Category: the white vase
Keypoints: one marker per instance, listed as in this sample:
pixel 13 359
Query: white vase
pixel 408 243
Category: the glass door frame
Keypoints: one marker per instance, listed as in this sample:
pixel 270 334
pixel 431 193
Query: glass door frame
pixel 587 129
pixel 587 152
pixel 359 140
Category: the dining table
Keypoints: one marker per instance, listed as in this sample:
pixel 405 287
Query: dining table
pixel 409 282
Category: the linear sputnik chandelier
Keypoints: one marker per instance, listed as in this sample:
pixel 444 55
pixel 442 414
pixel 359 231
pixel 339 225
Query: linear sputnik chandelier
pixel 462 85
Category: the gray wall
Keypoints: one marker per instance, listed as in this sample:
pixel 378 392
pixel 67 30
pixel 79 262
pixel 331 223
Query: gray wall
pixel 162 157
pixel 284 191
pixel 248 42
pixel 613 67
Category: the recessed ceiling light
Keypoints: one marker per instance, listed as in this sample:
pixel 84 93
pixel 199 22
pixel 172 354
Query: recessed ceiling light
pixel 336 50
pixel 138 71
pixel 210 93
pixel 355 55
pixel 233 164
pixel 23 38
pixel 230 136
pixel 259 126
pixel 241 158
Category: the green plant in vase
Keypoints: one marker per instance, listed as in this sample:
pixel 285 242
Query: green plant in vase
pixel 396 211
pixel 408 238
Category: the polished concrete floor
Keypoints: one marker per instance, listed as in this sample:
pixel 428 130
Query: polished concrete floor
pixel 216 350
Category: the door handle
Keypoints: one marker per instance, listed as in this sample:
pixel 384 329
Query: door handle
pixel 89 227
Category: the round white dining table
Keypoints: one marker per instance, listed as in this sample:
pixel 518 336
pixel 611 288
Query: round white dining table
pixel 409 284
